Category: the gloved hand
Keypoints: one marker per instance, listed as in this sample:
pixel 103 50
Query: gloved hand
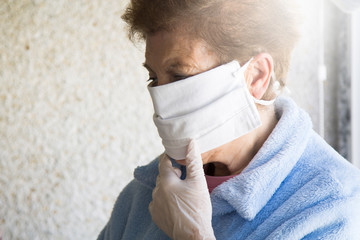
pixel 182 208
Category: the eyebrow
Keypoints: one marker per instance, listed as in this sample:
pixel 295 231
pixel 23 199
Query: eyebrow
pixel 178 65
pixel 175 65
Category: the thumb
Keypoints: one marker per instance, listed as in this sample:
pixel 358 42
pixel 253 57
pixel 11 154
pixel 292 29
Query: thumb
pixel 194 164
pixel 166 170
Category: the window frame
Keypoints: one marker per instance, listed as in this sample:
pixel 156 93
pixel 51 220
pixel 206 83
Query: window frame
pixel 355 88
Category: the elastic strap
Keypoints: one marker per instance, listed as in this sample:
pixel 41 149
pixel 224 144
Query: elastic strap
pixel 261 102
pixel 264 102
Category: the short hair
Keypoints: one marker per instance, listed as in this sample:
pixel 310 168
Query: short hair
pixel 234 29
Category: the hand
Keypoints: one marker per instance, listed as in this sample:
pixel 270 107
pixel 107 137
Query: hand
pixel 182 208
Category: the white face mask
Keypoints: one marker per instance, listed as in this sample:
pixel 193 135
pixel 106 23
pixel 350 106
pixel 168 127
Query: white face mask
pixel 214 108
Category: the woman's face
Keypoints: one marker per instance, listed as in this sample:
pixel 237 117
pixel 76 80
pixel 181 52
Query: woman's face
pixel 173 56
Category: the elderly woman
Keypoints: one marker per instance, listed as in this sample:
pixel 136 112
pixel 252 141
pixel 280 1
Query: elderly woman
pixel 238 164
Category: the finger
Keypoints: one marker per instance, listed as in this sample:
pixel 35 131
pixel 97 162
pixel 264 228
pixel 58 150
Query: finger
pixel 178 172
pixel 157 180
pixel 153 195
pixel 154 212
pixel 166 169
pixel 154 192
pixel 151 207
pixel 164 164
pixel 194 164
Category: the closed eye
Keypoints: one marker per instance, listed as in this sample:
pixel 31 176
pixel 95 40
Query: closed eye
pixel 153 81
pixel 179 78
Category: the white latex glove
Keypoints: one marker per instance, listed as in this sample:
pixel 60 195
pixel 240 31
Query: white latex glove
pixel 182 208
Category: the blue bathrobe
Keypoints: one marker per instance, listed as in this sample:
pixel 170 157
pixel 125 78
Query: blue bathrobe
pixel 296 187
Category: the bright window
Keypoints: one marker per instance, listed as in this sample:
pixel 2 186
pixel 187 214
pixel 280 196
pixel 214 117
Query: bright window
pixel 355 86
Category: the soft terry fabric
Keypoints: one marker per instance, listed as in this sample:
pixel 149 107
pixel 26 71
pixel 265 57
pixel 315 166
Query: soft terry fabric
pixel 296 187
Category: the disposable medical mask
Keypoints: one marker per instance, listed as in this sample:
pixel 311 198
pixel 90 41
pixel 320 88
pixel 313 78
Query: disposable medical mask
pixel 214 108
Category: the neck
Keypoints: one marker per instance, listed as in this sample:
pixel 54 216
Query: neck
pixel 233 157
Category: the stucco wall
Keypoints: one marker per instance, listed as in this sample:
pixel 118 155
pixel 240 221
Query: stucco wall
pixel 75 115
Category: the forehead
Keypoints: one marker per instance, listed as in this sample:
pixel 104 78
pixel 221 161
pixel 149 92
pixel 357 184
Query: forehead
pixel 167 44
pixel 164 46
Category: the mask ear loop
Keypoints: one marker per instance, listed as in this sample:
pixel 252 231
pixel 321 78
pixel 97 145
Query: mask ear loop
pixel 258 101
pixel 268 102
pixel 242 70
pixel 245 66
pixel 264 102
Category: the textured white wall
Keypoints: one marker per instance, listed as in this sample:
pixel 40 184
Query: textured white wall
pixel 75 115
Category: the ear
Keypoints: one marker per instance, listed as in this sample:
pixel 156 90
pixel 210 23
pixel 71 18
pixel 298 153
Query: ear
pixel 258 74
